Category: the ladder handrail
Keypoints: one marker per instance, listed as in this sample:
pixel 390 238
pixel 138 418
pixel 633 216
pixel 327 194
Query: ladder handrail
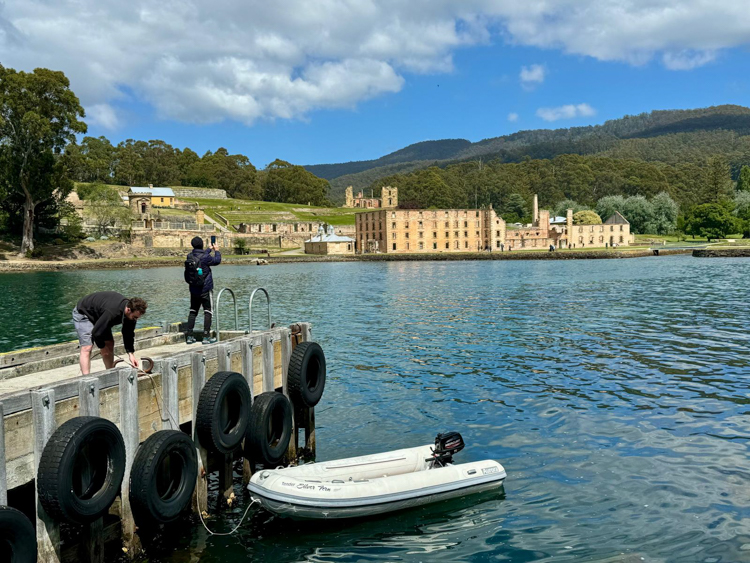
pixel 250 307
pixel 216 313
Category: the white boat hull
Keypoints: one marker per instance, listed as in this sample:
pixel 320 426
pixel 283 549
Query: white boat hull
pixel 370 485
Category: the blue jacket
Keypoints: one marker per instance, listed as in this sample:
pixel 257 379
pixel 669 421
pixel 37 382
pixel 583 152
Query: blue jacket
pixel 207 260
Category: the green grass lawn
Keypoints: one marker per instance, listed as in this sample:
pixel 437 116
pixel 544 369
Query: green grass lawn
pixel 246 211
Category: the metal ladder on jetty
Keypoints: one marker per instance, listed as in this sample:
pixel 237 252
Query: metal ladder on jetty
pixel 236 310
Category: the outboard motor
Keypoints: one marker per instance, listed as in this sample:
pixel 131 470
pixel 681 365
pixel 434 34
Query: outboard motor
pixel 446 445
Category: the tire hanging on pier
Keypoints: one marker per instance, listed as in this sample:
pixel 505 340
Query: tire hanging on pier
pixel 81 469
pixel 163 477
pixel 17 537
pixel 223 412
pixel 270 429
pixel 307 374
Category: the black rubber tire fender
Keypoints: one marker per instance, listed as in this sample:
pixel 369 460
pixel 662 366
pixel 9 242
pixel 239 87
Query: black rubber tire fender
pixel 270 429
pixel 163 476
pixel 306 378
pixel 81 469
pixel 223 412
pixel 17 537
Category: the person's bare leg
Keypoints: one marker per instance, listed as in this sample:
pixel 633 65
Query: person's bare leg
pixel 85 359
pixel 108 354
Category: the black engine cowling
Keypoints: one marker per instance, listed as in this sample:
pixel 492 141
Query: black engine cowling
pixel 446 445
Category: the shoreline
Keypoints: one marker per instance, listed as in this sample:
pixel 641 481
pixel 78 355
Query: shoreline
pixel 17 266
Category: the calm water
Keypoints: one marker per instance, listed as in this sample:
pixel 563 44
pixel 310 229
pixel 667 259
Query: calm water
pixel 614 392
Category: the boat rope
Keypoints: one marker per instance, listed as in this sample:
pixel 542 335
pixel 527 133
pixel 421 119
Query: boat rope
pixel 160 403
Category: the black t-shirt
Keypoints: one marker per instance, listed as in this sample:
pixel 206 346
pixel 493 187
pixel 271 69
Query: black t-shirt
pixel 106 309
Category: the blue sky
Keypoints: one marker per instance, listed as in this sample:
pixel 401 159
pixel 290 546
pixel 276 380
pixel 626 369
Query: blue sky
pixel 325 81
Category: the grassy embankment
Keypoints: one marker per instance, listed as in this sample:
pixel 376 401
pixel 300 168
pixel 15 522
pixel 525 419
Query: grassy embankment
pixel 245 211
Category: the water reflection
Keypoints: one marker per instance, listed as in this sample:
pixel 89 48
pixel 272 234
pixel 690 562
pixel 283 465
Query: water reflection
pixel 614 392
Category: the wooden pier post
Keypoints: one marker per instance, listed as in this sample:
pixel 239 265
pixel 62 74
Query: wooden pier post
pixel 47 530
pixel 267 347
pixel 170 394
pixel 128 388
pixel 91 547
pixel 200 497
pixel 226 477
pixel 3 470
pixel 247 372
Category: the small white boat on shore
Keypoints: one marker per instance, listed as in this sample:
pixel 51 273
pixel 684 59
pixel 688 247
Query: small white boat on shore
pixel 374 484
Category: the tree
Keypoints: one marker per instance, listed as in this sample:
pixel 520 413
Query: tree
pixel 514 209
pixel 710 220
pixel 743 182
pixel 607 206
pixel 39 115
pixel 664 214
pixel 586 217
pixel 105 206
pixel 717 181
pixel 287 183
pixel 639 212
pixel 561 209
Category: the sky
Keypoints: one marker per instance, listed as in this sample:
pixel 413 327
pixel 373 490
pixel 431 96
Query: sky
pixel 324 81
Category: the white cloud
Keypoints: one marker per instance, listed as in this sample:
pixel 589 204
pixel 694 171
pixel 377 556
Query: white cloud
pixel 104 115
pixel 532 76
pixel 512 117
pixel 566 112
pixel 204 61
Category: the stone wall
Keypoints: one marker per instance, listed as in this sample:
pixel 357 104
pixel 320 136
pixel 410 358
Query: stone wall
pixel 200 193
pixel 225 241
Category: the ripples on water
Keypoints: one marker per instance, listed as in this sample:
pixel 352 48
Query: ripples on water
pixel 615 392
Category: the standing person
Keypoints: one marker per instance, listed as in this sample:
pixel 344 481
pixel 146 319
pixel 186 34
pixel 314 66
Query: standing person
pixel 199 278
pixel 95 315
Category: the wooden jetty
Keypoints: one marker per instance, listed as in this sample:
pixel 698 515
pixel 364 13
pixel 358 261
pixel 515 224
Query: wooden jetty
pixel 41 388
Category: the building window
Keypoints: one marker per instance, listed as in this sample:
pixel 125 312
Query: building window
pixel 393 213
pixel 162 200
pixel 580 229
pixel 420 213
pixel 406 225
pixel 349 246
pixel 620 239
pixel 601 239
pixel 447 224
pixel 446 213
pixel 477 213
pixel 466 233
pixel 476 224
pixel 406 235
pixel 477 233
pixel 407 246
pixel 394 246
pixel 466 244
pixel 455 234
pixel 421 246
pixel 498 244
pixel 621 230
pixel 434 224
pixel 611 228
pixel 498 233
pixel 434 235
pixel 393 236
pixel 380 225
pixel 393 225
pixel 434 246
pixel 447 234
pixel 466 224
pixel 420 224
pixel 456 245
pixel 455 224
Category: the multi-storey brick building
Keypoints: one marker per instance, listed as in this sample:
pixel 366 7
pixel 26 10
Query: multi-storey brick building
pixel 403 231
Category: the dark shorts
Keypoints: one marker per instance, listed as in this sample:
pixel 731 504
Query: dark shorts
pixel 84 328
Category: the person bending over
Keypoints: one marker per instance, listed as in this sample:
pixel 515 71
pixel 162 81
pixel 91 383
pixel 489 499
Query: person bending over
pixel 200 280
pixel 95 315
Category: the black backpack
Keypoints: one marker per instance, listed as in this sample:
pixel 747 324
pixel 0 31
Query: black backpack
pixel 192 277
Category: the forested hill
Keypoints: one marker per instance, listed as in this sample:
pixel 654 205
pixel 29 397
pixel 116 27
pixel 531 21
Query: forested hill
pixel 426 150
pixel 668 135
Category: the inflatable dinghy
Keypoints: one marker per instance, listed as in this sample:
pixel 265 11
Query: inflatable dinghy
pixel 374 484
